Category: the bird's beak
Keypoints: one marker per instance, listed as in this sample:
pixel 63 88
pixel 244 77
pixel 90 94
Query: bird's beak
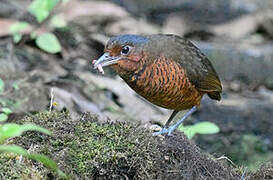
pixel 106 60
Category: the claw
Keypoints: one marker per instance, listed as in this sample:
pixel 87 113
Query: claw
pixel 168 131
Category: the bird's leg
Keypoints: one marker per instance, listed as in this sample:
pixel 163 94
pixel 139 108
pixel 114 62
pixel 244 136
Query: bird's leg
pixel 164 130
pixel 170 118
pixel 170 129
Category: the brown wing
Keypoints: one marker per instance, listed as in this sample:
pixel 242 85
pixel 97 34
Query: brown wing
pixel 198 68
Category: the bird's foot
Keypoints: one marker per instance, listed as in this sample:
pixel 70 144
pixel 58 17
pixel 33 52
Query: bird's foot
pixel 170 129
pixel 164 130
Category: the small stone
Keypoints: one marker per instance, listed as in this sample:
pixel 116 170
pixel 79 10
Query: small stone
pixel 155 127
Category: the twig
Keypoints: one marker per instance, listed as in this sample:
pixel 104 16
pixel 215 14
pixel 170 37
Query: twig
pixel 226 158
pixel 51 99
pixel 243 175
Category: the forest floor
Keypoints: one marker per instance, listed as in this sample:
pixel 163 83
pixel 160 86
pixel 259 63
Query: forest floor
pixel 243 57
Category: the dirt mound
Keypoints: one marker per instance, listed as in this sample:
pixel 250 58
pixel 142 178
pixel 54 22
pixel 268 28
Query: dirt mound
pixel 265 172
pixel 85 148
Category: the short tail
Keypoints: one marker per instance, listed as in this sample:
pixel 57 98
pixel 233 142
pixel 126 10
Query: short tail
pixel 215 95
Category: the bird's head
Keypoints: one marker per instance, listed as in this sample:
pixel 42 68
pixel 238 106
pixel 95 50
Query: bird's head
pixel 123 53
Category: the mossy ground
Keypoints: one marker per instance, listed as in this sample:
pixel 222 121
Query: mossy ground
pixel 87 149
pixel 265 172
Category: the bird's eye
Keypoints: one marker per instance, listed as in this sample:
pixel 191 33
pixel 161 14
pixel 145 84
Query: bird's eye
pixel 125 50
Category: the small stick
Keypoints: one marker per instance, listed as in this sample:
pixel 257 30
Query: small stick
pixel 51 99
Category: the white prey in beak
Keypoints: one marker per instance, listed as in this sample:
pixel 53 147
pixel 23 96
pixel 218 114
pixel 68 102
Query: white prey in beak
pixel 104 60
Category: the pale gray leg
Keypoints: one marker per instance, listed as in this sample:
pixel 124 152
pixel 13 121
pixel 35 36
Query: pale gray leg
pixel 170 129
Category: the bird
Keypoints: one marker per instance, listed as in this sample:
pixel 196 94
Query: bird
pixel 165 69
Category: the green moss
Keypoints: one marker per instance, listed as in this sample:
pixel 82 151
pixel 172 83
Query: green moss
pixel 107 146
pixel 89 146
pixel 85 148
pixel 12 168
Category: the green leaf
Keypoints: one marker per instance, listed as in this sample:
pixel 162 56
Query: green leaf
pixel 42 8
pixel 13 149
pixel 188 131
pixel 17 37
pixel 206 128
pixel 18 27
pixel 58 21
pixel 33 127
pixel 46 161
pixel 3 117
pixel 15 86
pixel 49 43
pixel 6 110
pixel 16 30
pixel 33 35
pixel 2 86
pixel 3 102
pixel 199 128
pixel 51 4
pixel 11 130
